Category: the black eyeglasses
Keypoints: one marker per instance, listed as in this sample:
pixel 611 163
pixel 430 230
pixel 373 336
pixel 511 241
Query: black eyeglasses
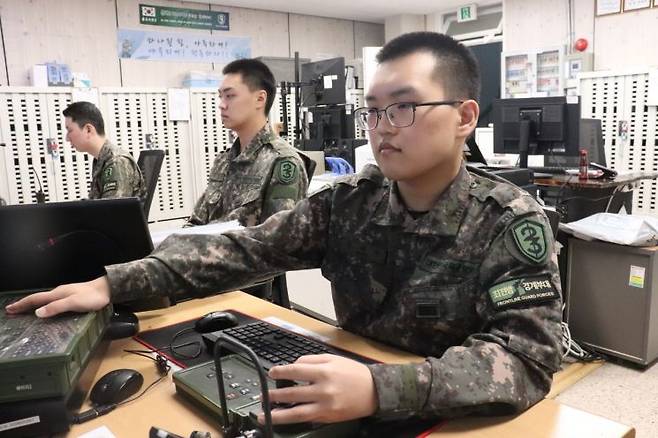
pixel 400 114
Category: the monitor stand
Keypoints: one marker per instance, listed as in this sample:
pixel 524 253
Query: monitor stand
pixel 524 139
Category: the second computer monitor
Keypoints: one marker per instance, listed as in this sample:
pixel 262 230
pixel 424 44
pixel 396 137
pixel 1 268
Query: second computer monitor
pixel 537 126
pixel 324 82
pixel 591 139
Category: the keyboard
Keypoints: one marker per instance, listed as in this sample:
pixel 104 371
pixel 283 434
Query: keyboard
pixel 276 346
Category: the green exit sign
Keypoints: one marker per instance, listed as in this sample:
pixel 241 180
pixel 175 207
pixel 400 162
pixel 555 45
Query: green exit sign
pixel 467 13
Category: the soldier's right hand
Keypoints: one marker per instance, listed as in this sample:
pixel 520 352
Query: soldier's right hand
pixel 75 297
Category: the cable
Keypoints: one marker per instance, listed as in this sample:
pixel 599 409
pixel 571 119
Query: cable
pixel 97 411
pixel 573 349
pixel 40 195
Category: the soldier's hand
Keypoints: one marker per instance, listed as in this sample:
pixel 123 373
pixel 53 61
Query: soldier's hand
pixel 339 389
pixel 75 297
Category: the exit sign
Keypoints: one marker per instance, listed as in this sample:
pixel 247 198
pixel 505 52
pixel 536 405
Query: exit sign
pixel 467 13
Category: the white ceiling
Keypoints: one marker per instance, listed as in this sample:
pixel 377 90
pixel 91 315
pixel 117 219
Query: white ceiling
pixel 374 11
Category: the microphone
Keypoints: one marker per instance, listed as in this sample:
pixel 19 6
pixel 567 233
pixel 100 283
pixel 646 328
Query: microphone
pixel 40 195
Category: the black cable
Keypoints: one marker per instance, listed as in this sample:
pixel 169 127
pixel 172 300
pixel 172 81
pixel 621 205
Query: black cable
pixel 40 195
pixel 163 369
pixel 173 347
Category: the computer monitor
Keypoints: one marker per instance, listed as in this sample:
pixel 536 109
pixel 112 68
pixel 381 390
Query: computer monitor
pixel 45 245
pixel 591 139
pixel 325 82
pixel 537 126
pixel 331 122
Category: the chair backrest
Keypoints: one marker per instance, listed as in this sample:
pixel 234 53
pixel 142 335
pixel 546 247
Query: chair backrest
pixel 150 163
pixel 553 219
pixel 309 164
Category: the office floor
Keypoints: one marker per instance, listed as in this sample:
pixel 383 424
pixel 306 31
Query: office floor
pixel 623 393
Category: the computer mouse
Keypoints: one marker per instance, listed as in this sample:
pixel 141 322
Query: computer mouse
pixel 215 321
pixel 122 324
pixel 116 386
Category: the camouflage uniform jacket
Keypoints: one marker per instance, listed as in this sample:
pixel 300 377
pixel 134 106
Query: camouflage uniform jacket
pixel 267 177
pixel 472 285
pixel 115 174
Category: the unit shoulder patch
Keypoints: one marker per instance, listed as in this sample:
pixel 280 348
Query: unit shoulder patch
pixel 107 172
pixel 526 239
pixel 286 171
pixel 523 291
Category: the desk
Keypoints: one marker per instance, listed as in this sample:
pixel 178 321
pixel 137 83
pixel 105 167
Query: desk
pixel 162 407
pixel 575 199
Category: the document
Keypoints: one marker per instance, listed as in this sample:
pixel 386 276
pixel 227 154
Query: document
pixel 215 228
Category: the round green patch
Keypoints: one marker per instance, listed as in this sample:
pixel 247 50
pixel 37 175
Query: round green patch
pixel 286 172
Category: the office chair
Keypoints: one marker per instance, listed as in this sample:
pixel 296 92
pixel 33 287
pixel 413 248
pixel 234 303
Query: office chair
pixel 150 163
pixel 553 220
pixel 309 164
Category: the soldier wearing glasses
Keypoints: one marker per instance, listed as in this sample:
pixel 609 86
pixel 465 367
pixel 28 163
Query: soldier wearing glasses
pixel 422 254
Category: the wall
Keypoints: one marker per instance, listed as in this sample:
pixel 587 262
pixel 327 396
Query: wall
pixel 618 41
pixel 399 24
pixel 82 34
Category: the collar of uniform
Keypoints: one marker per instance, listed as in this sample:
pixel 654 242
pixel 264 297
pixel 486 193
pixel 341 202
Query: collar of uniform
pixel 263 137
pixel 443 219
pixel 105 151
pixel 103 154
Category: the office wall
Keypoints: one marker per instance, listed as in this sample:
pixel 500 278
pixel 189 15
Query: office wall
pixel 82 34
pixel 618 41
pixel 79 33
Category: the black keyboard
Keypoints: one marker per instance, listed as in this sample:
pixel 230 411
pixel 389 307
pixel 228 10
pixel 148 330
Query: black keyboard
pixel 277 346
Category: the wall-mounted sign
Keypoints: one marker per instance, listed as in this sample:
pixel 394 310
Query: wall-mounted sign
pixel 605 7
pixel 165 46
pixel 179 17
pixel 631 5
pixel 467 13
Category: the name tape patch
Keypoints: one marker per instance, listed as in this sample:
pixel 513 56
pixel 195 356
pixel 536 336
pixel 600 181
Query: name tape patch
pixel 522 291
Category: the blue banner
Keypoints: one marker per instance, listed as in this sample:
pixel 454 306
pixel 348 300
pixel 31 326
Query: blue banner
pixel 187 47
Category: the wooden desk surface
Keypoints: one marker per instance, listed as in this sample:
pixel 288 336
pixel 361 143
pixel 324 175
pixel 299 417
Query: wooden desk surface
pixel 574 182
pixel 162 407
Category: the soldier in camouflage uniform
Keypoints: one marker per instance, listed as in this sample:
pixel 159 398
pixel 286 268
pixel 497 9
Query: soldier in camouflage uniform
pixel 261 174
pixel 423 254
pixel 115 173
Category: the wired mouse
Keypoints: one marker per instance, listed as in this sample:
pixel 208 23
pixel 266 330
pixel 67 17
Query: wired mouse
pixel 215 321
pixel 115 387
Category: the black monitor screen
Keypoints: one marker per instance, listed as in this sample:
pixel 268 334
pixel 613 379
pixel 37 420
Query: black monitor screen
pixel 325 82
pixel 331 122
pixel 591 139
pixel 45 245
pixel 544 126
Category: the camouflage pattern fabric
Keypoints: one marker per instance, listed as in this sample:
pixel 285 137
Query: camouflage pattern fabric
pixel 267 177
pixel 115 174
pixel 472 285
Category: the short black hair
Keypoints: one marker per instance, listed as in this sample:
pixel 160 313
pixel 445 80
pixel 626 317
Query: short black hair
pixel 456 68
pixel 256 75
pixel 86 112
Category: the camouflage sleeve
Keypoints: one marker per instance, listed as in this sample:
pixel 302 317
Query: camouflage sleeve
pixel 201 213
pixel 199 265
pixel 507 366
pixel 288 184
pixel 119 178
